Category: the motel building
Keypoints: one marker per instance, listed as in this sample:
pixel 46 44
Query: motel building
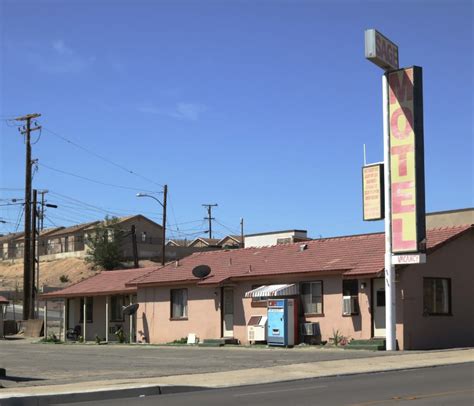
pixel 337 284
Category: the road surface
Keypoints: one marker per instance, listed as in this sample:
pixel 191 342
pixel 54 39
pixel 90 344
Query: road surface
pixel 447 385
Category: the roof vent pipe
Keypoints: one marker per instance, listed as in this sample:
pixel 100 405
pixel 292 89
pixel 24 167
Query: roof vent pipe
pixel 303 247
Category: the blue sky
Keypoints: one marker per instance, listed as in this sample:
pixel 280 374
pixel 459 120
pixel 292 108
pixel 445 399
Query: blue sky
pixel 259 106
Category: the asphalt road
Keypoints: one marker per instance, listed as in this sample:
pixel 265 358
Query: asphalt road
pixel 449 385
pixel 45 364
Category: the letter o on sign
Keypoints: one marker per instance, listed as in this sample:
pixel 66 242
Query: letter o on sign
pixel 401 133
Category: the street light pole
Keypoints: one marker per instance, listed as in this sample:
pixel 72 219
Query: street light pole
pixel 163 205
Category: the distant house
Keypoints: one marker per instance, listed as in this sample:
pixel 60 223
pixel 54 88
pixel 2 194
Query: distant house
pixel 201 242
pixel 230 241
pixel 177 243
pixel 68 242
pixel 8 245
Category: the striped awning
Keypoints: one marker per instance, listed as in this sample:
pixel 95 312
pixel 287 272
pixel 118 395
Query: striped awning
pixel 274 290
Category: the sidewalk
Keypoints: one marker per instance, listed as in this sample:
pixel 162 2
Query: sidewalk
pixel 250 376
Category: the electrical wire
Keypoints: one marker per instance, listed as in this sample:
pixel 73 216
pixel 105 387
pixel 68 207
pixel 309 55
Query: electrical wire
pixel 227 228
pixel 129 171
pixel 94 180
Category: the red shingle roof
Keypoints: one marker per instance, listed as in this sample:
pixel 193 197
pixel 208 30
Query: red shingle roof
pixel 104 283
pixel 351 255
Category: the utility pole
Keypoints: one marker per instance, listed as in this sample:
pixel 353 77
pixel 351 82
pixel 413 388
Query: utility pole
pixel 163 243
pixel 163 228
pixel 242 241
pixel 33 285
pixel 209 216
pixel 41 216
pixel 27 283
pixel 134 246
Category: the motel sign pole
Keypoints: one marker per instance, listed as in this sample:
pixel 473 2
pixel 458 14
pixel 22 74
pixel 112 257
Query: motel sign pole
pixel 390 292
pixel 404 174
pixel 384 53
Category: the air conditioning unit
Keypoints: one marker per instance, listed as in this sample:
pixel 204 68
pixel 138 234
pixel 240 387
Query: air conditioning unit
pixel 349 305
pixel 257 328
pixel 310 329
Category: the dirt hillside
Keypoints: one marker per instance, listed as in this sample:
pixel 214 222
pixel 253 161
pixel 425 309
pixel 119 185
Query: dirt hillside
pixel 58 273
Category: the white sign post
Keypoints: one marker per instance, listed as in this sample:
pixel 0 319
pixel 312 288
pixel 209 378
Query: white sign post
pixel 384 53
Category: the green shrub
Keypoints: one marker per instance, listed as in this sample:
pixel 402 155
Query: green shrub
pixel 64 279
pixel 120 335
pixel 52 338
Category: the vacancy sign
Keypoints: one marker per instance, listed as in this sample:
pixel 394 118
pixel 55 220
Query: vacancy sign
pixel 406 160
pixel 409 259
pixel 373 192
pixel 380 50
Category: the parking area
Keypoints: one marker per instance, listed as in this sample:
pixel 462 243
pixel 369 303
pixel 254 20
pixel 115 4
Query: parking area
pixel 29 363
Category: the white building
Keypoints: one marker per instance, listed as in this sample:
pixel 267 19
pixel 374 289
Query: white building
pixel 275 237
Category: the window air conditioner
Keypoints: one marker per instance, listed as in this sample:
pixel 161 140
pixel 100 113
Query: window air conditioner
pixel 309 329
pixel 349 305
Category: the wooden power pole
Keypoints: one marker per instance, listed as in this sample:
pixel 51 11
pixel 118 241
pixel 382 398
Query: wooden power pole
pixel 209 216
pixel 163 243
pixel 27 276
pixel 134 247
pixel 34 240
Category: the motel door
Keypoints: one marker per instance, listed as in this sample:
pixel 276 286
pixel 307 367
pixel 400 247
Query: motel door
pixel 379 307
pixel 228 318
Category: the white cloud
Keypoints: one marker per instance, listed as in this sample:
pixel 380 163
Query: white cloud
pixel 182 111
pixel 61 48
pixel 58 58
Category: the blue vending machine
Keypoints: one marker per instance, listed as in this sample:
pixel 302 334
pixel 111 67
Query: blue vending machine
pixel 281 322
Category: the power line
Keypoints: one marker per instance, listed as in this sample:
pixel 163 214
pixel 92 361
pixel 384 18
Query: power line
pixel 227 228
pixel 101 157
pixel 85 204
pixel 93 180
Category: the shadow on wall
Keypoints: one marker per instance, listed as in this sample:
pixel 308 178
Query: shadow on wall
pixel 145 333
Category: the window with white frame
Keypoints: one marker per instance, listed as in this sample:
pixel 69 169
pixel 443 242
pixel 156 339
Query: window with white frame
pixel 179 303
pixel 350 297
pixel 436 296
pixel 312 297
pixel 144 236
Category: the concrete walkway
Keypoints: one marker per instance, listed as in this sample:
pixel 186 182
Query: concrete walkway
pixel 252 376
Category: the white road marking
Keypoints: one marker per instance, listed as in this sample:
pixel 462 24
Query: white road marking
pixel 280 390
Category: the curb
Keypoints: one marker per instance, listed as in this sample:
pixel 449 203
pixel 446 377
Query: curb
pixel 97 395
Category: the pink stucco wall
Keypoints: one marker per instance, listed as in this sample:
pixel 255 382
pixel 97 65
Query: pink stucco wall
pixel 153 319
pixel 455 261
pixel 414 330
pixel 204 311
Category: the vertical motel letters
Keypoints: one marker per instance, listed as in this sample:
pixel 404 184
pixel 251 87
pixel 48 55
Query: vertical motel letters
pixel 406 135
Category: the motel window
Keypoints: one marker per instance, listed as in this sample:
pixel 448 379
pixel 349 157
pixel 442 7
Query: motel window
pixel 350 297
pixel 116 304
pixel 436 296
pixel 312 297
pixel 179 303
pixel 89 310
